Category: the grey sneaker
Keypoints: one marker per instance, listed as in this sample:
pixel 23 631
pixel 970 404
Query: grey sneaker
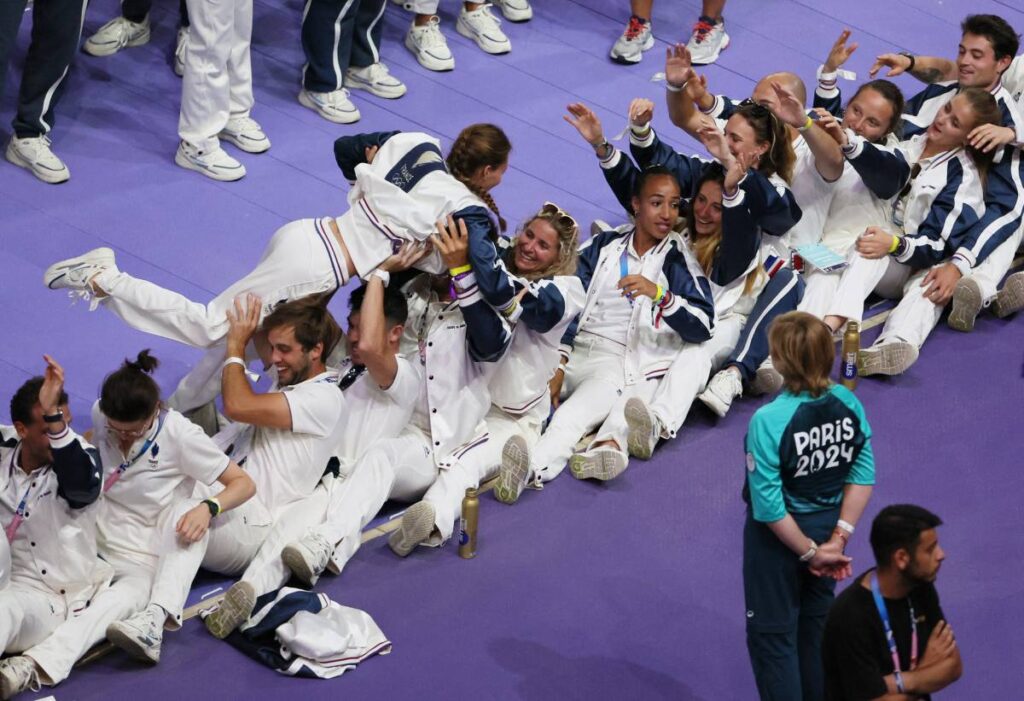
pixel 1011 298
pixel 644 429
pixel 707 41
pixel 307 558
pixel 767 380
pixel 725 386
pixel 117 34
pixel 235 608
pixel 140 635
pixel 75 273
pixel 600 464
pixel 18 674
pixel 515 470
pixel 33 153
pixel 966 305
pixel 630 46
pixel 886 359
pixel 416 526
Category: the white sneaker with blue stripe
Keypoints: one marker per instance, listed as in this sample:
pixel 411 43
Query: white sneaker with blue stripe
pixel 214 163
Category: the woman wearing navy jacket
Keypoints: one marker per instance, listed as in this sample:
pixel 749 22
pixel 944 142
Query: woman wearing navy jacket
pixel 928 247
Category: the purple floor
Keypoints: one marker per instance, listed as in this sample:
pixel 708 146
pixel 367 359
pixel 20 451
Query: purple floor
pixel 580 591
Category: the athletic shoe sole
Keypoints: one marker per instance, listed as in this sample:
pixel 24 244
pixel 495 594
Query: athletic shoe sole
pixel 714 57
pixel 417 523
pixel 886 359
pixel 713 402
pixel 516 16
pixel 388 93
pixel 214 174
pixel 247 145
pixel 346 118
pixel 601 465
pixel 767 380
pixel 235 608
pixel 103 257
pixel 638 419
pixel 101 50
pixel 630 60
pixel 485 44
pixel 52 177
pixel 124 637
pixel 294 559
pixel 431 63
pixel 515 470
pixel 1011 298
pixel 966 306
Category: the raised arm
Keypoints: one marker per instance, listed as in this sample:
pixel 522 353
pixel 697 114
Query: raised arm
pixel 883 169
pixel 827 95
pixel 927 69
pixel 350 151
pixel 828 158
pixel 75 463
pixel 685 91
pixel 619 172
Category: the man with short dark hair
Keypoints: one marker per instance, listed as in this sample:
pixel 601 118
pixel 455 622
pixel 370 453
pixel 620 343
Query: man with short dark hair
pixel 886 636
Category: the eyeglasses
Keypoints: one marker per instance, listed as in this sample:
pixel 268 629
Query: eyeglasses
pixel 129 432
pixel 563 217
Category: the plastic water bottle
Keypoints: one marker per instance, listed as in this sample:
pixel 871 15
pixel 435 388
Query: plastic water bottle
pixel 851 345
pixel 468 524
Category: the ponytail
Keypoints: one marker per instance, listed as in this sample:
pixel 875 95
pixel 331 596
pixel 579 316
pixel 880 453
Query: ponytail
pixel 477 146
pixel 130 393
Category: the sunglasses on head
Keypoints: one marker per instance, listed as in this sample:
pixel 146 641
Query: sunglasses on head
pixel 563 217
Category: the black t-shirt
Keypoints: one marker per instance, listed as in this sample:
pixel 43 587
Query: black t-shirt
pixel 854 650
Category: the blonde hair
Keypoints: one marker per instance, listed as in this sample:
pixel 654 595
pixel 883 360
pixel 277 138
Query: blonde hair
pixel 477 146
pixel 803 352
pixel 705 248
pixel 568 232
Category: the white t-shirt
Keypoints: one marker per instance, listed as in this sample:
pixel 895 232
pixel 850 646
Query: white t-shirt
pixel 178 456
pixel 375 413
pixel 287 464
pixel 612 310
pixel 812 193
pixel 1013 81
pixel 854 208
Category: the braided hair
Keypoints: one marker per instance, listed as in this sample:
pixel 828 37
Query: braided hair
pixel 476 146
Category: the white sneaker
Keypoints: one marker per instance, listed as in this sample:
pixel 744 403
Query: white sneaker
pixel 115 35
pixel 75 273
pixel 18 674
pixel 515 470
pixel 484 28
pixel 725 386
pixel 214 164
pixel 180 48
pixel 644 429
pixel 33 153
pixel 307 558
pixel 887 358
pixel 767 380
pixel 333 106
pixel 967 303
pixel 515 10
pixel 245 133
pixel 707 41
pixel 1011 298
pixel 140 635
pixel 600 464
pixel 416 526
pixel 429 46
pixel 375 79
pixel 234 609
pixel 629 48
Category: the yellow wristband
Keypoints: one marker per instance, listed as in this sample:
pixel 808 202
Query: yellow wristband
pixel 807 125
pixel 459 270
pixel 895 244
pixel 660 296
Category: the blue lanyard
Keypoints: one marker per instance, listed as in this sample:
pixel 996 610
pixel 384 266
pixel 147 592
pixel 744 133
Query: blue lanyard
pixel 116 474
pixel 624 267
pixel 889 637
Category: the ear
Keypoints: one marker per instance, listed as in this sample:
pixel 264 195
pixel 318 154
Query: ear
pixel 395 333
pixel 901 559
pixel 317 351
pixel 1003 63
pixel 635 202
pixel 21 429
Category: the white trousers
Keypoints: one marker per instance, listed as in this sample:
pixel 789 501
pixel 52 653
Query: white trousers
pixel 883 275
pixel 469 466
pixel 689 373
pixel 27 616
pixel 296 263
pixel 914 317
pixel 990 272
pixel 423 7
pixel 819 291
pixel 594 382
pixel 217 84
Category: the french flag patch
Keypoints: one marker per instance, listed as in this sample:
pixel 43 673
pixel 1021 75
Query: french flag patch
pixel 773 263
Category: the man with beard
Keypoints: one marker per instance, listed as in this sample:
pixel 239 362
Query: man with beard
pixel 886 636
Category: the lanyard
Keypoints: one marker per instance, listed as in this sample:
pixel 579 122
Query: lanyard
pixel 116 474
pixel 19 513
pixel 624 267
pixel 890 638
